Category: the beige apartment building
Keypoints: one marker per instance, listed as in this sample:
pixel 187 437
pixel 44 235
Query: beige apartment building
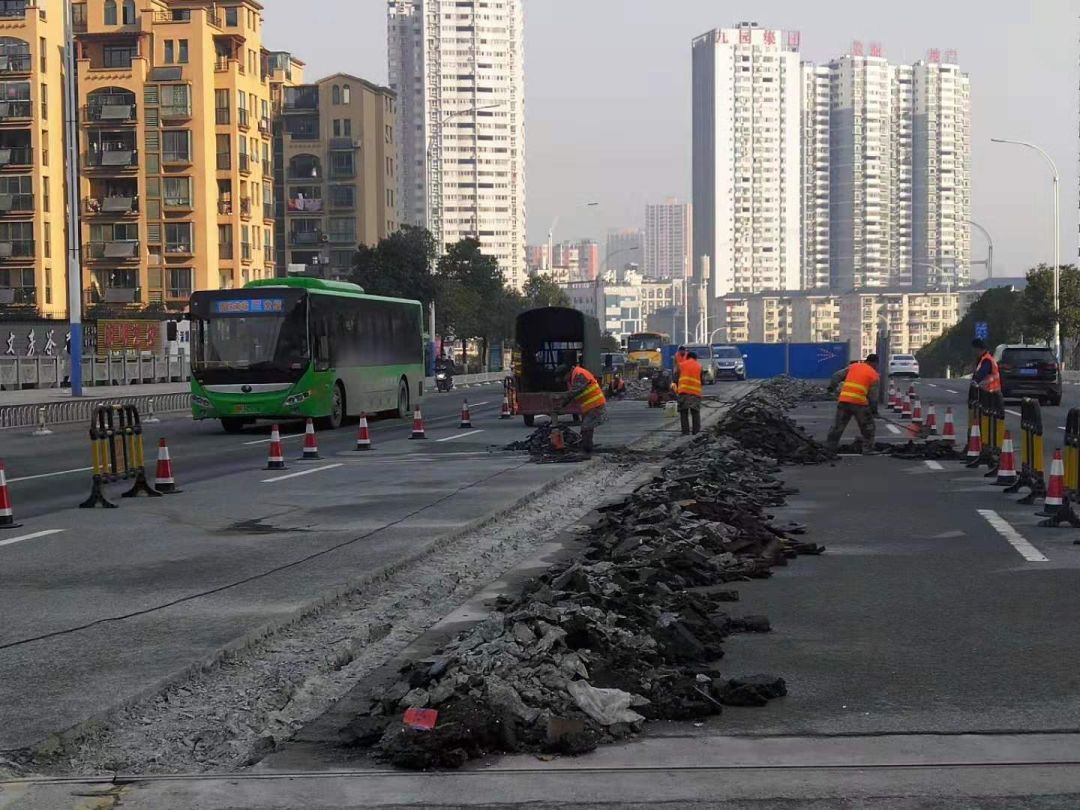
pixel 32 258
pixel 339 174
pixel 175 148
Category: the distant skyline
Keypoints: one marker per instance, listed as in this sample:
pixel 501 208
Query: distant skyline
pixel 607 87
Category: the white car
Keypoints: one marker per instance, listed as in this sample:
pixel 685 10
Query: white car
pixel 903 365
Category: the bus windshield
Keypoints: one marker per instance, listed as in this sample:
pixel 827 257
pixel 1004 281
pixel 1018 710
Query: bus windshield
pixel 644 343
pixel 249 339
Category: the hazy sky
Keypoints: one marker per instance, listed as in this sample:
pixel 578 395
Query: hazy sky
pixel 607 88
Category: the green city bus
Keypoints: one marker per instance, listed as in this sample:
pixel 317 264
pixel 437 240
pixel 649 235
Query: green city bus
pixel 289 348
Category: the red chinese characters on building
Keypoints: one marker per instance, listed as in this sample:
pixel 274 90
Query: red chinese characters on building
pixel 793 40
pixel 744 36
pixel 934 56
pixel 143 336
pixel 770 37
pixel 856 48
pixel 875 49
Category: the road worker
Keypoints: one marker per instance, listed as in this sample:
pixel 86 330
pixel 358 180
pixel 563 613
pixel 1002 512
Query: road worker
pixel 585 390
pixel 986 376
pixel 689 387
pixel 680 355
pixel 838 378
pixel 858 401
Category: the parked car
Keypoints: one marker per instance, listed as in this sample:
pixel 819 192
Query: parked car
pixel 730 362
pixel 903 365
pixel 1029 371
pixel 708 365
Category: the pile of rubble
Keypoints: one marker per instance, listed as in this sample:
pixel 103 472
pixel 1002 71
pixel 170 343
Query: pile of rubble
pixel 932 449
pixel 538 443
pixel 631 631
pixel 761 426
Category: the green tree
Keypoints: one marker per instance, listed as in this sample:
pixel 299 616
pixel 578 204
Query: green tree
pixel 472 299
pixel 1000 308
pixel 398 266
pixel 542 291
pixel 609 343
pixel 1037 303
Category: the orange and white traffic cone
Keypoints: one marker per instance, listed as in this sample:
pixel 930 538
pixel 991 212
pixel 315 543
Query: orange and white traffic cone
pixel 7 515
pixel 905 407
pixel 418 424
pixel 931 419
pixel 916 413
pixel 363 436
pixel 1055 490
pixel 311 447
pixel 1006 471
pixel 556 440
pixel 505 412
pixel 466 419
pixel 948 429
pixel 276 460
pixel 974 448
pixel 894 399
pixel 163 478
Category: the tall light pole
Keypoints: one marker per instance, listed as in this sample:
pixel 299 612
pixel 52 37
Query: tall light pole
pixel 551 237
pixel 989 263
pixel 1057 238
pixel 74 240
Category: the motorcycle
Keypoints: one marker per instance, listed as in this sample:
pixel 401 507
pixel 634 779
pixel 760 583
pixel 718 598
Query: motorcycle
pixel 444 381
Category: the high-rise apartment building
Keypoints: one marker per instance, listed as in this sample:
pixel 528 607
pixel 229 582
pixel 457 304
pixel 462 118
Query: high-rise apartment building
pixel 176 174
pixel 747 161
pixel 668 240
pixel 816 99
pixel 32 202
pixel 941 174
pixel 624 246
pixel 458 70
pixel 339 158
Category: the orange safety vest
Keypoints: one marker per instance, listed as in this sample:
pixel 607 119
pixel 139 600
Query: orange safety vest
pixel 690 377
pixel 856 387
pixel 992 382
pixel 592 397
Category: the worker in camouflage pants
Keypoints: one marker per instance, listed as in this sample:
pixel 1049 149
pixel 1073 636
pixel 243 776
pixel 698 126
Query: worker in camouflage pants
pixel 858 401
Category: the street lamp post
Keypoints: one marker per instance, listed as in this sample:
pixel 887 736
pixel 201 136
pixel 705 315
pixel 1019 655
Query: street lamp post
pixel 74 241
pixel 1057 238
pixel 989 248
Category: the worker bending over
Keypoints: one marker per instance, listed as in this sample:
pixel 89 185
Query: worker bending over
pixel 987 375
pixel 689 384
pixel 585 390
pixel 858 401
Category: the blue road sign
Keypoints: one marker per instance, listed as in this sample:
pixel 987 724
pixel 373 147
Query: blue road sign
pixel 982 330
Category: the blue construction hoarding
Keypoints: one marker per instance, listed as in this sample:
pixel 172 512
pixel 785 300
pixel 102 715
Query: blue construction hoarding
pixel 808 361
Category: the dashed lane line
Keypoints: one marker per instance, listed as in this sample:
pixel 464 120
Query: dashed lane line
pixel 934 465
pixel 932 385
pixel 267 441
pixel 48 475
pixel 302 472
pixel 33 536
pixel 893 428
pixel 951 391
pixel 1014 413
pixel 460 435
pixel 1016 540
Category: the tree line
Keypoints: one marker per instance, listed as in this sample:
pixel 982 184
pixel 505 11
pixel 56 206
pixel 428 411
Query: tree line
pixel 1025 316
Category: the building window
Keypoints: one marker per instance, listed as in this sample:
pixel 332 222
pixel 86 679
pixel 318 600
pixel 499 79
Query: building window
pixel 342 164
pixel 44 101
pixel 347 127
pixel 178 237
pixel 337 127
pixel 177 192
pixel 129 12
pixel 346 94
pixel 119 56
pixel 44 50
pixel 179 285
pixel 343 196
pixel 176 145
pixel 110 12
pixel 335 94
pixel 232 17
pixel 224 152
pixel 183 56
pixel 170 52
pixel 342 229
pixel 45 194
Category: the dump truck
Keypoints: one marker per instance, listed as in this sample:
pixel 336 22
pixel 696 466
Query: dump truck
pixel 546 339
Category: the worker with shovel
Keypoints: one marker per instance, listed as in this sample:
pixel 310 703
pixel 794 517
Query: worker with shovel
pixel 585 390
pixel 858 401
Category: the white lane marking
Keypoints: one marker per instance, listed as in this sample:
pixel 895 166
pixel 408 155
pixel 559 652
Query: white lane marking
pixel 460 435
pixel 1016 540
pixel 1014 413
pixel 35 535
pixel 932 385
pixel 951 391
pixel 892 428
pixel 48 475
pixel 302 472
pixel 1061 427
pixel 933 465
pixel 267 441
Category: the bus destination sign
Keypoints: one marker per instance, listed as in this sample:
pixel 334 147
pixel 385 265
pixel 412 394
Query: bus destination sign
pixel 249 306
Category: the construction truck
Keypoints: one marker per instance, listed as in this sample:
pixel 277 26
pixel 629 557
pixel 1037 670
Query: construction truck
pixel 547 340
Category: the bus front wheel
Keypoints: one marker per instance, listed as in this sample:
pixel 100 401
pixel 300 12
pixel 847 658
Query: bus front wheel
pixel 233 425
pixel 403 400
pixel 337 410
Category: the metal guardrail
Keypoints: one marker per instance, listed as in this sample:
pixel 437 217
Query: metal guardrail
pixel 80 410
pixel 19 373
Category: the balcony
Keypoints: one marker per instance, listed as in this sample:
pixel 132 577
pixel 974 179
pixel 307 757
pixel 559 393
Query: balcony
pixel 245 208
pixel 175 112
pixel 112 109
pixel 16 203
pixel 112 159
pixel 224 207
pixel 115 205
pixel 243 119
pixel 244 164
pixel 177 202
pixel 16 64
pixel 264 125
pixel 116 250
pixel 222 115
pixel 245 252
pixel 179 249
pixel 18 296
pixel 226 251
pixel 176 157
pixel 300 203
pixel 224 161
pixel 305 237
pixel 15 111
pixel 268 210
pixel 267 168
pixel 15 10
pixel 16 157
pixel 301 99
pixel 268 254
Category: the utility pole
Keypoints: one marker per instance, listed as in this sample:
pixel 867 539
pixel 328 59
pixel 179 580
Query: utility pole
pixel 74 242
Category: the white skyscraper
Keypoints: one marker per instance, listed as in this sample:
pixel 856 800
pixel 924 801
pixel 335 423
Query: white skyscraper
pixel 747 161
pixel 941 174
pixel 815 182
pixel 458 69
pixel 667 239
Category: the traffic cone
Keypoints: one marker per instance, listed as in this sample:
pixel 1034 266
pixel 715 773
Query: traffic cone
pixel 1055 490
pixel 556 440
pixel 948 430
pixel 894 400
pixel 417 424
pixel 311 447
pixel 905 407
pixel 466 420
pixel 916 413
pixel 163 478
pixel 974 448
pixel 363 437
pixel 1006 471
pixel 931 419
pixel 276 460
pixel 7 516
pixel 505 413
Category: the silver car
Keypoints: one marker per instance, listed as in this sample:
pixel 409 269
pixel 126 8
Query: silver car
pixel 708 364
pixel 730 362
